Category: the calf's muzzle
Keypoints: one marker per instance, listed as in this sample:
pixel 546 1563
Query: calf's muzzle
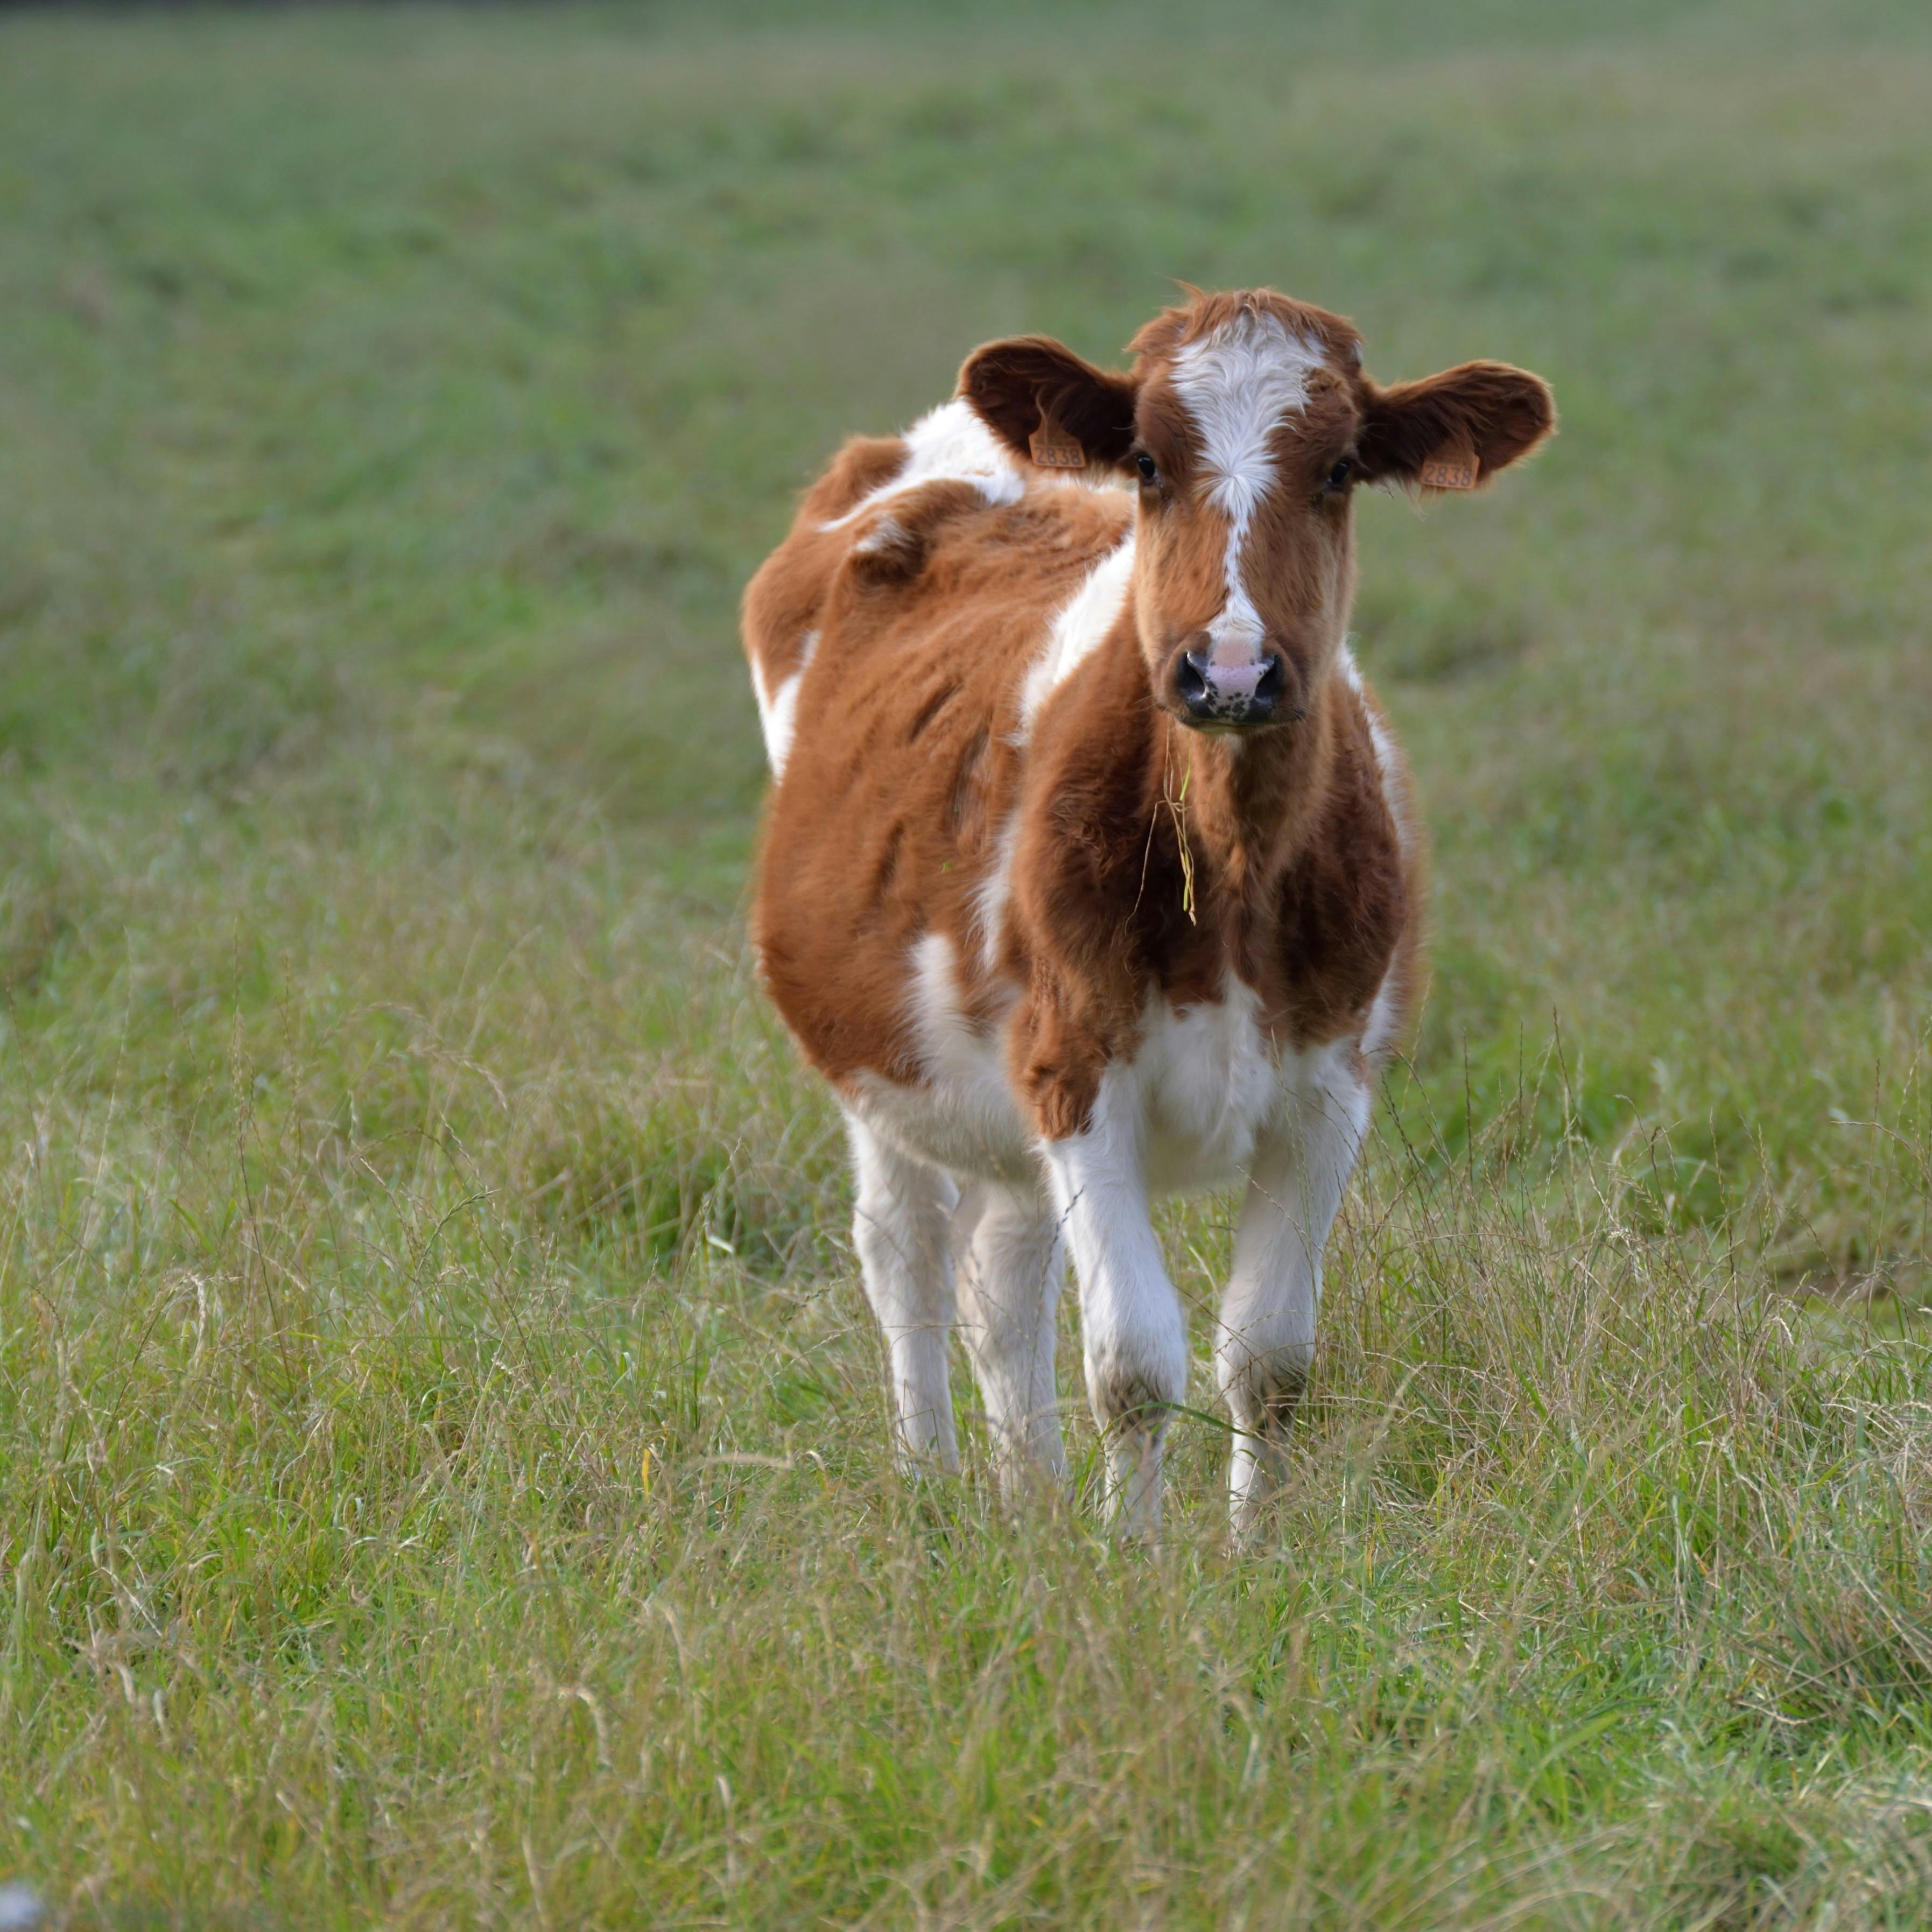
pixel 1223 695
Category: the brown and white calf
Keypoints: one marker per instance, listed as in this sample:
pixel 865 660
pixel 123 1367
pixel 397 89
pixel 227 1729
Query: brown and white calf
pixel 1090 869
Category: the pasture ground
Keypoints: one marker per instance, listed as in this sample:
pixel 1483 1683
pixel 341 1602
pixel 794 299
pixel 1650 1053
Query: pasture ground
pixel 443 1469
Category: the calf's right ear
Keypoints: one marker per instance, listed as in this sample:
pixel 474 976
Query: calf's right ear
pixel 1050 407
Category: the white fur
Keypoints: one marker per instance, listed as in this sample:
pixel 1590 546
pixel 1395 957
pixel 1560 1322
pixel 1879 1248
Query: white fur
pixel 1081 627
pixel 994 889
pixel 777 710
pixel 949 444
pixel 1009 1263
pixel 1185 1112
pixel 899 1224
pixel 1384 1016
pixel 1206 1082
pixel 1265 1342
pixel 888 533
pixel 1384 748
pixel 947 1044
pixel 1384 1020
pixel 964 1117
pixel 1208 1099
pixel 1133 1335
pixel 1236 385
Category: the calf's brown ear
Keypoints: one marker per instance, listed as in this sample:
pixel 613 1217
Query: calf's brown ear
pixel 1048 406
pixel 1454 430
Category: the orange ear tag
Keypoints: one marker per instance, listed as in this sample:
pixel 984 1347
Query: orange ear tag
pixel 1453 467
pixel 1053 448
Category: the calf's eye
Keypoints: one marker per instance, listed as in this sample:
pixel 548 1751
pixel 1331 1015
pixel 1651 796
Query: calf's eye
pixel 1150 473
pixel 1337 479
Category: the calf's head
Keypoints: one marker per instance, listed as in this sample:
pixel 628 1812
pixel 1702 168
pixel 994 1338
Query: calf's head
pixel 1247 420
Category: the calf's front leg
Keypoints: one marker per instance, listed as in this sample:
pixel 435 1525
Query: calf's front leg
pixel 1133 1335
pixel 1266 1338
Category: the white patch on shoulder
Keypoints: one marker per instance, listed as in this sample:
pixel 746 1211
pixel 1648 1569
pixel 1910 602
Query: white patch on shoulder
pixel 1090 614
pixel 949 444
pixel 1237 385
pixel 888 533
pixel 777 710
pixel 991 894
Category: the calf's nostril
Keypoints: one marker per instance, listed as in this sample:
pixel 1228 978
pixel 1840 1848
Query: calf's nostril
pixel 1190 680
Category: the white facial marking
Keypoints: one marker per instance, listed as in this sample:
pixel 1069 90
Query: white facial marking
pixel 1237 385
pixel 778 711
pixel 949 444
pixel 1089 615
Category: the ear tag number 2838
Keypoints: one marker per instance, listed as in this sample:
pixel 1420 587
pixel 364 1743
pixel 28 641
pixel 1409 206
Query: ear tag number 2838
pixel 1452 466
pixel 1053 448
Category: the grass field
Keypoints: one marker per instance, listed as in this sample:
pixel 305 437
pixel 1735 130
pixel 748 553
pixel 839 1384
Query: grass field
pixel 443 1471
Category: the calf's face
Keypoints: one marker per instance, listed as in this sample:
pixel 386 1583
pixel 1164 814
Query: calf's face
pixel 1246 422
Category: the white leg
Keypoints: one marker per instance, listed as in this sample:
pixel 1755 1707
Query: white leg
pixel 899 1227
pixel 1009 1265
pixel 1133 1335
pixel 1266 1338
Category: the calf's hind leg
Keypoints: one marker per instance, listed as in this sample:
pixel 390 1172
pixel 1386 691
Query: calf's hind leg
pixel 1266 1341
pixel 1010 1267
pixel 899 1224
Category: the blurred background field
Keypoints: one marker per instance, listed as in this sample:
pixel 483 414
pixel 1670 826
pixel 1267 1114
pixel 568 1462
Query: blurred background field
pixel 441 1472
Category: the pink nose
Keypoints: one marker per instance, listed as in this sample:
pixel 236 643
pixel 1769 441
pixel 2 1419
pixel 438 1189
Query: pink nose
pixel 1217 694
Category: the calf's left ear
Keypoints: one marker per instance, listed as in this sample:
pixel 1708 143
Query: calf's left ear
pixel 1454 430
pixel 1047 405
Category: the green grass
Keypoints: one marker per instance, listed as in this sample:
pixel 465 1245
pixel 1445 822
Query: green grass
pixel 443 1471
